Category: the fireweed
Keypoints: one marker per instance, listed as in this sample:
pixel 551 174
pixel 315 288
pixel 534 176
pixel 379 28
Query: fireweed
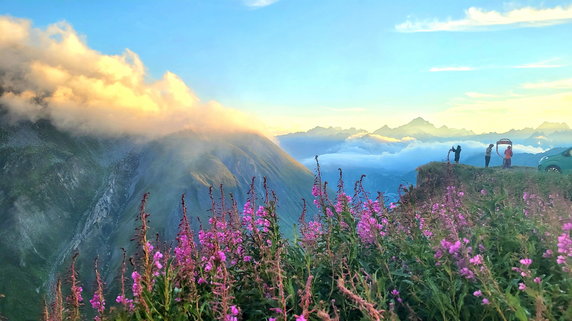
pixel 458 253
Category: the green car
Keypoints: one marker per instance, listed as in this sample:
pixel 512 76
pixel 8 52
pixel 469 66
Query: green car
pixel 559 163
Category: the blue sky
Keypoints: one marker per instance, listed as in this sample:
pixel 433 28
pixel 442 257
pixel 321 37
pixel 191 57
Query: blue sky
pixel 295 64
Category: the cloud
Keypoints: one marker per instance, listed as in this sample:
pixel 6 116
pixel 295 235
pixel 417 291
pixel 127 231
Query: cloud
pixel 259 3
pixel 52 74
pixel 403 158
pixel 439 69
pixel 481 19
pixel 558 84
pixel 506 113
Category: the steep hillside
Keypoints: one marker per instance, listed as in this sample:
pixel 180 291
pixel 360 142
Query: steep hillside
pixel 60 193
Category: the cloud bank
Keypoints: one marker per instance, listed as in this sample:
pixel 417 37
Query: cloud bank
pixel 480 19
pixel 399 157
pixel 52 74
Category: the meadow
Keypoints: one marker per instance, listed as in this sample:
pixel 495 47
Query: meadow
pixel 465 244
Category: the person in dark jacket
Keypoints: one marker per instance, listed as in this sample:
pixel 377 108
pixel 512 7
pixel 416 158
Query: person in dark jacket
pixel 488 152
pixel 457 152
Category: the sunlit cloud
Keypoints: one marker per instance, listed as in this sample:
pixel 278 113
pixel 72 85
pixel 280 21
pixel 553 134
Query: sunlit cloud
pixel 506 113
pixel 440 69
pixel 52 74
pixel 259 3
pixel 481 19
pixel 557 84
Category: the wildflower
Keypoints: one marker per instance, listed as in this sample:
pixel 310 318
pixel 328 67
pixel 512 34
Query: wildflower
pixel 128 303
pixel 478 293
pixel 561 259
pixel 395 292
pixel 484 192
pixel 221 256
pixel 271 319
pixel 567 227
pixel 476 260
pixel 486 301
pixel 392 205
pixel 300 318
pixel 234 310
pixel 136 283
pixel 97 302
pixel 157 260
pixel 247 258
pixel 526 262
pixel 547 254
pixel 537 280
pixel 522 286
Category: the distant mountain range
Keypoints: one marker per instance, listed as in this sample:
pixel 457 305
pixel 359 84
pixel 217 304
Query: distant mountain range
pixel 321 140
pixel 61 193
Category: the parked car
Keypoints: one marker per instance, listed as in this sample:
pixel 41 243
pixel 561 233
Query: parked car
pixel 559 163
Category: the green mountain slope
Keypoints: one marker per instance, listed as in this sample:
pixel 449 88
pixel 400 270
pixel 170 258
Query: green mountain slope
pixel 60 193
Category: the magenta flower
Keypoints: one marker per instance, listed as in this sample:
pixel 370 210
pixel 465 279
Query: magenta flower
pixel 395 292
pixel 476 260
pixel 486 301
pixel 97 302
pixel 300 318
pixel 526 261
pixel 478 293
pixel 136 284
pixel 561 259
pixel 157 260
pixel 522 286
pixel 537 280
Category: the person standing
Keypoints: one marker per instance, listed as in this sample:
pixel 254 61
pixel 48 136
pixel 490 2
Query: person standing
pixel 507 157
pixel 488 152
pixel 457 152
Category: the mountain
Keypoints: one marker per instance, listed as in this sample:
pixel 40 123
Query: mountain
pixel 62 193
pixel 421 129
pixel 316 141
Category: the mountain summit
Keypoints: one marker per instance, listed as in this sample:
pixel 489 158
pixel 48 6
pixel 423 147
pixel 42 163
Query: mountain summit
pixel 421 129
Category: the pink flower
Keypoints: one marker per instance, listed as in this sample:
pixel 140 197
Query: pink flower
pixel 157 260
pixel 522 286
pixel 537 280
pixel 234 310
pixel 300 318
pixel 392 205
pixel 561 259
pixel 476 260
pixel 486 301
pixel 526 262
pixel 221 256
pixel 478 293
pixel 136 283
pixel 247 258
pixel 484 192
pixel 271 319
pixel 547 254
pixel 395 292
pixel 97 302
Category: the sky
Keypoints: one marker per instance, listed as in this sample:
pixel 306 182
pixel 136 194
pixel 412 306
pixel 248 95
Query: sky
pixel 290 65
